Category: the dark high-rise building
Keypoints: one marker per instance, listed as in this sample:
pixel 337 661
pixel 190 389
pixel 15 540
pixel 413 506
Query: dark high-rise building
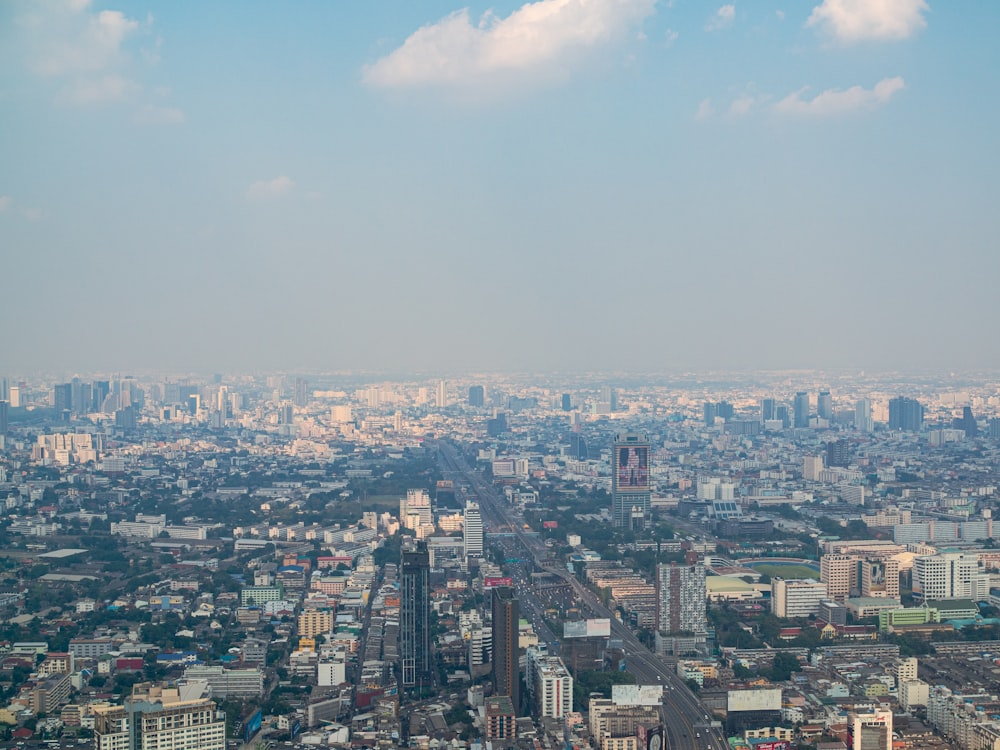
pixel 62 397
pixel 709 413
pixel 838 454
pixel 3 417
pixel 801 409
pixel 781 412
pixel 414 618
pixel 630 488
pixel 824 405
pixel 497 426
pixel 506 672
pixel 578 447
pixel 995 428
pixel 967 422
pixel 567 404
pixel 301 394
pixel 100 392
pixel 906 414
pixel 767 409
pixel 477 396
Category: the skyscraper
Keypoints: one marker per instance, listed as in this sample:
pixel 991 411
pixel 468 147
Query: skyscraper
pixel 838 453
pixel 801 408
pixel 161 717
pixel 3 417
pixel 906 414
pixel 301 392
pixel 863 416
pixel 824 405
pixel 767 407
pixel 506 672
pixel 414 617
pixel 567 404
pixel 680 598
pixel 472 531
pixel 441 396
pixel 477 396
pixel 630 488
pixel 62 397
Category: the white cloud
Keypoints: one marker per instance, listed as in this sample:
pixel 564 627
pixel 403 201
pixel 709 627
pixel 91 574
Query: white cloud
pixel 262 189
pixel 857 20
pixel 670 37
pixel 705 110
pixel 69 39
pixel 834 102
pixel 742 105
pixel 540 38
pixel 152 115
pixel 4 203
pixel 106 88
pixel 31 214
pixel 723 17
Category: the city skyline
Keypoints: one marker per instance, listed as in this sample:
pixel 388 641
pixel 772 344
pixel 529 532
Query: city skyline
pixel 621 185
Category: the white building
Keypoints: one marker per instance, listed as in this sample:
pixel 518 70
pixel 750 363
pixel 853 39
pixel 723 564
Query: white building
pixel 952 575
pixel 473 532
pixel 796 598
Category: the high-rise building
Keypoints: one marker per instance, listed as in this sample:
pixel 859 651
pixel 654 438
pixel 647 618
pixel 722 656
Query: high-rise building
pixel 567 403
pixel 62 397
pixel 781 412
pixel 414 617
pixel 416 503
pixel 838 453
pixel 680 598
pixel 477 396
pixel 967 422
pixel 3 417
pixel 906 414
pixel 630 488
pixel 472 532
pixel 796 598
pixel 506 672
pixel 767 409
pixel 161 717
pixel 16 396
pixel 951 575
pixel 441 395
pixel 801 409
pixel 609 397
pixel 824 405
pixel 871 731
pixel 708 413
pixel 301 392
pixel 863 421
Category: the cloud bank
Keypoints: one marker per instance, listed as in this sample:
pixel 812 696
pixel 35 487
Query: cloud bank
pixel 263 189
pixel 834 102
pixel 543 37
pixel 860 20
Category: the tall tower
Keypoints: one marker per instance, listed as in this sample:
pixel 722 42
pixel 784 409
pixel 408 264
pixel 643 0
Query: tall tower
pixel 3 418
pixel 767 409
pixel 414 617
pixel 680 598
pixel 905 414
pixel 863 416
pixel 441 398
pixel 506 672
pixel 801 407
pixel 473 531
pixel 824 405
pixel 630 489
pixel 301 393
pixel 477 396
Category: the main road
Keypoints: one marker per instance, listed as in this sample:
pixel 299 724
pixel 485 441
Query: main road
pixel 686 722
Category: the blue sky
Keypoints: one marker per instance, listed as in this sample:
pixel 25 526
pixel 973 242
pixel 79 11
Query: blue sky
pixel 559 185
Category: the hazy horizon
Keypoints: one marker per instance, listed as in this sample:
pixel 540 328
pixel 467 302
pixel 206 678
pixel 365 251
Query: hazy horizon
pixel 602 186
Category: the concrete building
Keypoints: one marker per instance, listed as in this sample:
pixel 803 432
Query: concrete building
pixel 680 598
pixel 158 717
pixel 797 598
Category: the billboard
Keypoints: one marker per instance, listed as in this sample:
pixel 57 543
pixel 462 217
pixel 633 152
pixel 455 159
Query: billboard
pixel 550 524
pixel 631 467
pixel 493 582
pixel 638 695
pixel 760 699
pixel 587 628
pixel 251 725
pixel 654 738
pixel 770 745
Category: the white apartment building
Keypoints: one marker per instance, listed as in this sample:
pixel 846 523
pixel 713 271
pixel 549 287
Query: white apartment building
pixel 796 598
pixel 473 533
pixel 952 575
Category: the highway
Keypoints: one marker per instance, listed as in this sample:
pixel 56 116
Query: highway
pixel 686 721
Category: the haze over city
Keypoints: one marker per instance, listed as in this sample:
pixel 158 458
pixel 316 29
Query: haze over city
pixel 605 185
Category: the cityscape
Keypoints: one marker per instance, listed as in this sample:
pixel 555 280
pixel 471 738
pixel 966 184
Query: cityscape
pixel 499 375
pixel 743 561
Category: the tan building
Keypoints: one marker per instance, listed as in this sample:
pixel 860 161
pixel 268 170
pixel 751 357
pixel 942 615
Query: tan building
pixel 166 718
pixel 315 622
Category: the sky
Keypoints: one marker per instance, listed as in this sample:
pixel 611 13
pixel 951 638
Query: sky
pixel 560 185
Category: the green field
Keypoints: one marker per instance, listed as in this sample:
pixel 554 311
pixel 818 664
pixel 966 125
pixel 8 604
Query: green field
pixel 786 571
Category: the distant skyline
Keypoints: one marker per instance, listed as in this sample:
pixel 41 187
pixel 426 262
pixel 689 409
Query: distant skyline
pixel 565 185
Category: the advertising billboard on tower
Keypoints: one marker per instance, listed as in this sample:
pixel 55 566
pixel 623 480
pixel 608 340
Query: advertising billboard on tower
pixel 631 468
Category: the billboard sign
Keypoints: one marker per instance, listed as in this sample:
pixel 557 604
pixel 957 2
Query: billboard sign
pixel 251 725
pixel 550 524
pixel 761 699
pixel 587 628
pixel 771 745
pixel 654 738
pixel 637 695
pixel 494 582
pixel 632 468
